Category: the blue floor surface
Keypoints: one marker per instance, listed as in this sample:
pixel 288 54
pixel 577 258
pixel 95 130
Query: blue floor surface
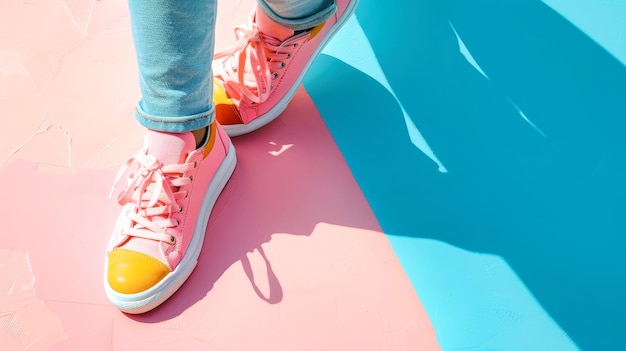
pixel 489 138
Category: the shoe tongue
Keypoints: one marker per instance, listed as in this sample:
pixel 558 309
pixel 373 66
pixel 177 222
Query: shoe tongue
pixel 169 148
pixel 269 27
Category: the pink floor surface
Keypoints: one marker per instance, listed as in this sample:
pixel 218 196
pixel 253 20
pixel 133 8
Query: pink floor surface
pixel 294 257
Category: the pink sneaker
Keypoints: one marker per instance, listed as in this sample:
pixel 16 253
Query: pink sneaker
pixel 257 77
pixel 172 187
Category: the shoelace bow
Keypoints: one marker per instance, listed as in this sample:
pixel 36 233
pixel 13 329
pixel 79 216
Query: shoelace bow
pixel 252 80
pixel 154 189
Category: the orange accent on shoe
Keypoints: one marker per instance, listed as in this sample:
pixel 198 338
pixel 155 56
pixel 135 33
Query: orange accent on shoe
pixel 212 136
pixel 316 30
pixel 226 111
pixel 132 272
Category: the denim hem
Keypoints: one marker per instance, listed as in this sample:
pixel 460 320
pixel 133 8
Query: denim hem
pixel 299 23
pixel 175 124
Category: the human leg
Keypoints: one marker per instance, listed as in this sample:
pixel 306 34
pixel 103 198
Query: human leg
pixel 173 40
pixel 186 161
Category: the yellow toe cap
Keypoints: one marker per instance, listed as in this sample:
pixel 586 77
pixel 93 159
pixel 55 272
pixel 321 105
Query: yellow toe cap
pixel 131 272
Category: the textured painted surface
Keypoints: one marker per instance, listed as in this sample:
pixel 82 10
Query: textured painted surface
pixel 19 304
pixel 488 138
pixel 294 257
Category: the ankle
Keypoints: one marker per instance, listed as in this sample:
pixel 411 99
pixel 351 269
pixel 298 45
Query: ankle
pixel 201 135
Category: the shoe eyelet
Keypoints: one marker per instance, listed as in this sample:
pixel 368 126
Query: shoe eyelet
pixel 288 55
pixel 295 45
pixel 282 64
pixel 195 164
pixel 181 209
pixel 172 239
pixel 191 178
pixel 274 75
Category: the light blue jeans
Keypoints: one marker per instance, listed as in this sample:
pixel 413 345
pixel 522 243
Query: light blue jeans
pixel 174 43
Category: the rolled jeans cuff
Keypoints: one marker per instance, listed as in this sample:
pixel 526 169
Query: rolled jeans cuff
pixel 174 124
pixel 299 23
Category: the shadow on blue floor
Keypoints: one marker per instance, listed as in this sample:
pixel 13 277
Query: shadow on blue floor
pixel 533 145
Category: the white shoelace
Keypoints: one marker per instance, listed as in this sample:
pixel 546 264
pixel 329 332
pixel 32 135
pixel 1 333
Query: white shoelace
pixel 155 190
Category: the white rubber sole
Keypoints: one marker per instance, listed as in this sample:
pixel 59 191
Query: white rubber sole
pixel 153 297
pixel 240 129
